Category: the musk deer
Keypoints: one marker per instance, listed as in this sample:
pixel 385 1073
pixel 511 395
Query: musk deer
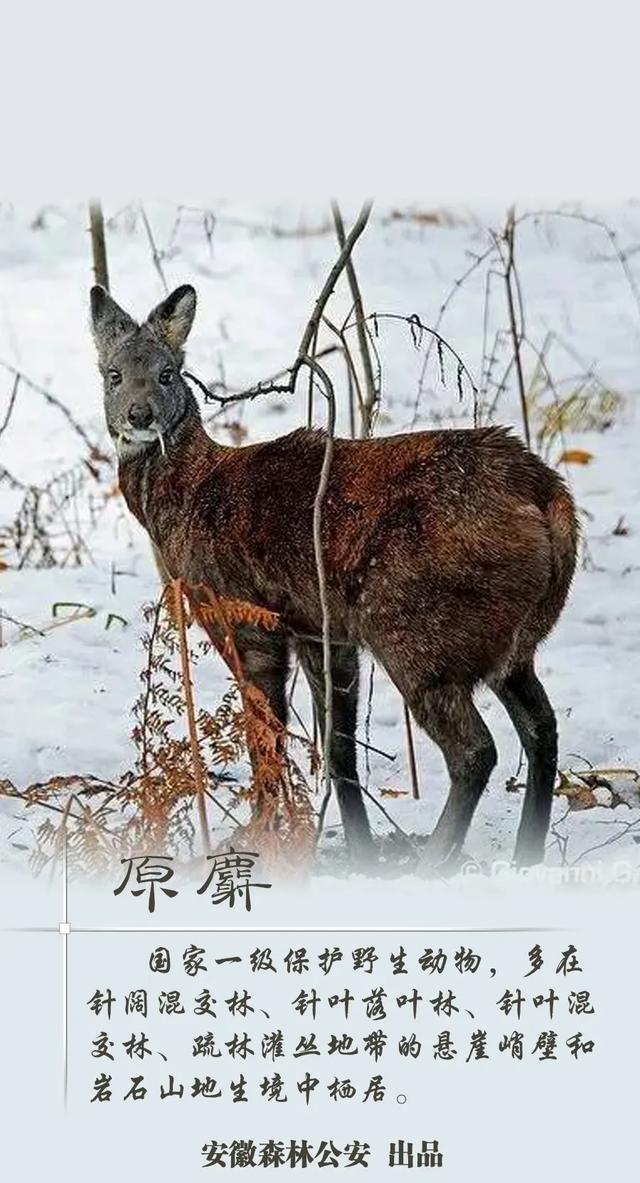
pixel 448 555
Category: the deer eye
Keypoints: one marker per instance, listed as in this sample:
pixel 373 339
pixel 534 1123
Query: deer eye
pixel 115 377
pixel 165 376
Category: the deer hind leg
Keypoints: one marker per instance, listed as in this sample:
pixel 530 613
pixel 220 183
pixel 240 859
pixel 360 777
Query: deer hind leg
pixel 344 769
pixel 450 719
pixel 525 700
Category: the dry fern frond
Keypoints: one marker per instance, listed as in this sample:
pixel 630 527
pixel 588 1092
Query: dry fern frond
pixel 150 808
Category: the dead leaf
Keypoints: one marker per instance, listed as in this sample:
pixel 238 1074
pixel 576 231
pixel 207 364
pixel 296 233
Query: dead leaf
pixel 576 456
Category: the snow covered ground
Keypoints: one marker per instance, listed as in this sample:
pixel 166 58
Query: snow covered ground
pixel 65 696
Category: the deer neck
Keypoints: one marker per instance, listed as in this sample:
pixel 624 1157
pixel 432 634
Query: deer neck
pixel 159 483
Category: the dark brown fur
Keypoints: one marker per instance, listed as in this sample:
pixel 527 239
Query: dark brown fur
pixel 448 554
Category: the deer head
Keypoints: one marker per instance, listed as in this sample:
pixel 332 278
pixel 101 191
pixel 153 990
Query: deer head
pixel 145 396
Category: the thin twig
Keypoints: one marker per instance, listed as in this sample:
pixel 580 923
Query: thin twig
pixel 222 808
pixel 418 329
pixel 266 386
pixel 155 253
pixel 314 348
pixel 198 772
pixel 11 404
pixel 627 827
pixel 516 338
pixel 20 624
pixel 58 404
pixel 369 402
pixel 319 559
pixel 453 291
pixel 413 768
pixel 353 380
pixel 599 224
pixel 389 818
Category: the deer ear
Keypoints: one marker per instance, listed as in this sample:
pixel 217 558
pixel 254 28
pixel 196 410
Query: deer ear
pixel 173 318
pixel 111 324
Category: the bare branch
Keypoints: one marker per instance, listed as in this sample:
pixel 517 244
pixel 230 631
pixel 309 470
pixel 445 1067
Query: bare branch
pixel 418 329
pixel 155 253
pixel 317 369
pixel 58 404
pixel 413 767
pixel 98 243
pixel 598 224
pixel 11 404
pixel 187 686
pixel 332 279
pixel 369 402
pixel 266 386
pixel 516 335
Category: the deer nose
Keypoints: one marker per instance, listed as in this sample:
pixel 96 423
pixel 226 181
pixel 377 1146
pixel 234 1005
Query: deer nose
pixel 140 414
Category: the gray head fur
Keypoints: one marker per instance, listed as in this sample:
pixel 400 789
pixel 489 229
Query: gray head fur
pixel 146 399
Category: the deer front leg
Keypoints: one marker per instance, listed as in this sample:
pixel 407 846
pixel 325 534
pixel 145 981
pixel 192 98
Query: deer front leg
pixel 265 662
pixel 344 770
pixel 263 657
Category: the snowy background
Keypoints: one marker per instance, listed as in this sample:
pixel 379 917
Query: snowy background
pixel 66 692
